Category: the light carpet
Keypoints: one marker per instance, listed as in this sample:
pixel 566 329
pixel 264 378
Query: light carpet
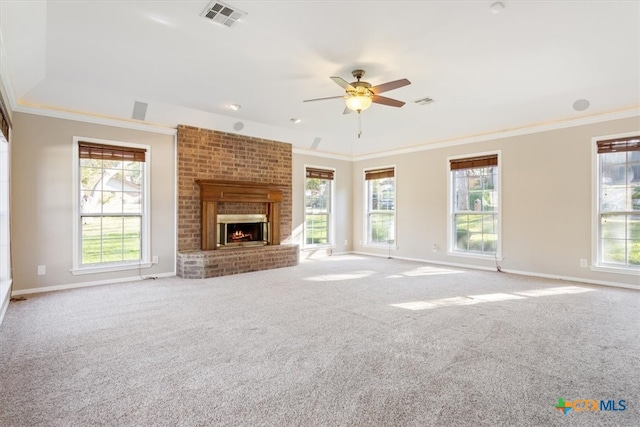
pixel 341 341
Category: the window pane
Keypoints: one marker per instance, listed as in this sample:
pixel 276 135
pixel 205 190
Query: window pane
pixel 112 202
pixel 613 251
pixel 316 229
pixel 633 227
pixel 91 239
pixel 635 196
pixel 381 228
pixel 613 198
pixel 613 227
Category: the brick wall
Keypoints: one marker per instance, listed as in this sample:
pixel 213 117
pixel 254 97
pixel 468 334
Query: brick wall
pixel 209 154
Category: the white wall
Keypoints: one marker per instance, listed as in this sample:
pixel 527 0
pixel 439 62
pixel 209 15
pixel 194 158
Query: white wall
pixel 42 200
pixel 546 202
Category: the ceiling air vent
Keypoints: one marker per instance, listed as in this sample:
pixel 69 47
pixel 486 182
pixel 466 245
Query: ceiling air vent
pixel 222 13
pixel 424 101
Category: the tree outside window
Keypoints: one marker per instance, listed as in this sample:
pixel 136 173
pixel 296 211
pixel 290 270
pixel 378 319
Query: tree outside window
pixel 475 204
pixel 111 205
pixel 381 206
pixel 619 202
pixel 317 223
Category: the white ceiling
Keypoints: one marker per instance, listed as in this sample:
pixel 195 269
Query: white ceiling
pixel 487 72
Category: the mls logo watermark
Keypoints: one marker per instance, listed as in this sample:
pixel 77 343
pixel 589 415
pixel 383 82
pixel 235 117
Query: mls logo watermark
pixel 590 405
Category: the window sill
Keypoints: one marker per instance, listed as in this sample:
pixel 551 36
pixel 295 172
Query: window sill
pixel 106 269
pixel 617 270
pixel 476 256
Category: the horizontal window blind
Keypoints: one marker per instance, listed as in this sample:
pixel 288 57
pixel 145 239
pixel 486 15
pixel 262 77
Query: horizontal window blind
pixel 319 173
pixel 89 150
pixel 379 173
pixel 474 162
pixel 631 143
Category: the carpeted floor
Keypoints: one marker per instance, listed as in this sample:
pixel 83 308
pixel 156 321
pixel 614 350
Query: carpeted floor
pixel 342 341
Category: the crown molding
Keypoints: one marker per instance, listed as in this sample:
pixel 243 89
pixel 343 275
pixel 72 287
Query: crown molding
pixel 524 130
pixel 94 119
pixel 313 153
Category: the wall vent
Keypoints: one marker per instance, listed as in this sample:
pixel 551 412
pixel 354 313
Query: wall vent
pixel 424 101
pixel 223 14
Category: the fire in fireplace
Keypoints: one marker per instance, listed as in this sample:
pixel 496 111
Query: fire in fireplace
pixel 242 230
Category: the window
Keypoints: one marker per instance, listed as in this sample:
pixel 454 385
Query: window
pixel 380 188
pixel 618 207
pixel 5 246
pixel 317 206
pixel 475 220
pixel 112 224
pixel 5 258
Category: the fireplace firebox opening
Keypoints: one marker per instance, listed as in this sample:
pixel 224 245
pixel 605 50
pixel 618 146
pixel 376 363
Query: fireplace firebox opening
pixel 242 230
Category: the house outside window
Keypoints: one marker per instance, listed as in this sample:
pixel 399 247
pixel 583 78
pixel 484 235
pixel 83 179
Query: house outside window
pixel 318 207
pixel 618 203
pixel 380 209
pixel 475 205
pixel 112 203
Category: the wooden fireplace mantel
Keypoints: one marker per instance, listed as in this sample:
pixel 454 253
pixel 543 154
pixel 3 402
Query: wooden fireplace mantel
pixel 213 192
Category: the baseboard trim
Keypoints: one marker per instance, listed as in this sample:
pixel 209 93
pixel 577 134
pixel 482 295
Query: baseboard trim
pixel 5 303
pixel 87 284
pixel 518 272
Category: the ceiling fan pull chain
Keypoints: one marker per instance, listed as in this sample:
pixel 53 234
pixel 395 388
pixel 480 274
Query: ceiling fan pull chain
pixel 359 124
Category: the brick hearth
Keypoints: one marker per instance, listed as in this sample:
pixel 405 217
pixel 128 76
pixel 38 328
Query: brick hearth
pixel 204 264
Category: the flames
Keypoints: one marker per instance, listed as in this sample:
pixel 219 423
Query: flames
pixel 240 236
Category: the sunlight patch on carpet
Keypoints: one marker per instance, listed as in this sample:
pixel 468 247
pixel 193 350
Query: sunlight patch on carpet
pixel 341 276
pixel 477 299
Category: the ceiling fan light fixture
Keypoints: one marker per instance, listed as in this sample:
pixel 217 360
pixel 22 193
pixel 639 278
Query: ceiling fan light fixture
pixel 359 102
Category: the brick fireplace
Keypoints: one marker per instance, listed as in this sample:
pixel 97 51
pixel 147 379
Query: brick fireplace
pixel 252 166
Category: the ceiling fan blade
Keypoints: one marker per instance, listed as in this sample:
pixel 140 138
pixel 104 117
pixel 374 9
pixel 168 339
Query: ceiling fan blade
pixel 387 101
pixel 347 110
pixel 322 99
pixel 342 83
pixel 389 86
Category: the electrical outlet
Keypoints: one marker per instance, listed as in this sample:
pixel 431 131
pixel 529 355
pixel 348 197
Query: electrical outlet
pixel 42 270
pixel 583 263
pixel 346 242
pixel 435 248
pixel 154 260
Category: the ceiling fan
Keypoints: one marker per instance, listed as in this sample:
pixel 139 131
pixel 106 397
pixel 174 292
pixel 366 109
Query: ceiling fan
pixel 359 95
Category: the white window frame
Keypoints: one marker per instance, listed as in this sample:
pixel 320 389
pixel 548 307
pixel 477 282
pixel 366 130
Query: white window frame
pixel 451 232
pixel 365 192
pixel 144 262
pixel 596 264
pixel 330 220
pixel 5 214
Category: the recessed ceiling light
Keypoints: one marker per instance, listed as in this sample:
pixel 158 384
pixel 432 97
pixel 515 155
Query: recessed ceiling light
pixel 581 104
pixel 296 121
pixel 234 107
pixel 162 21
pixel 496 7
